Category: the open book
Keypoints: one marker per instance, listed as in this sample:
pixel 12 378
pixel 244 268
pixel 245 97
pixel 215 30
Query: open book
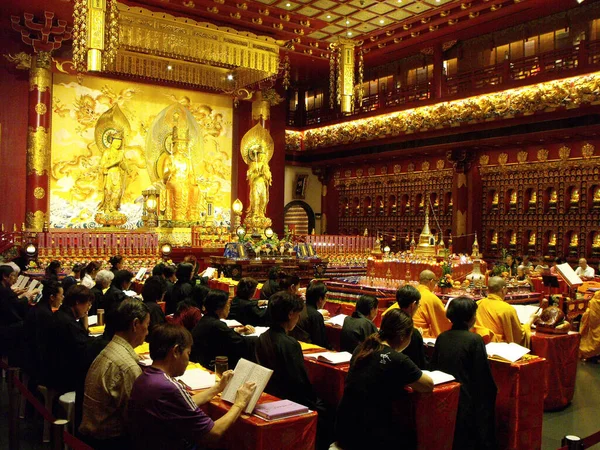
pixel 510 352
pixel 232 323
pixel 569 274
pixel 197 379
pixel 140 275
pixel 524 312
pixel 429 342
pixel 330 357
pixel 439 377
pixel 337 320
pixel 257 331
pixel 247 371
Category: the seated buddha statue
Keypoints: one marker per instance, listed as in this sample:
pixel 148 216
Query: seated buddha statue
pixel 574 240
pixel 513 238
pixel 421 205
pixel 552 241
pixel 495 238
pixel 553 200
pixel 495 201
pixel 533 198
pixel 532 239
pixel 512 204
pixel 574 200
pixel 596 241
pixel 596 198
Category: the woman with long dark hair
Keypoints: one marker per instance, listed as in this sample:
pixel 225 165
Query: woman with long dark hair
pixel 378 372
pixel 52 270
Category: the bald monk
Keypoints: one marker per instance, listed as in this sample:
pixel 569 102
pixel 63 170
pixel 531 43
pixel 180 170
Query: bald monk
pixel 430 318
pixel 590 329
pixel 498 317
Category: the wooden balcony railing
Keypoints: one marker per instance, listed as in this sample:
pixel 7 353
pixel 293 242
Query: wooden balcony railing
pixel 498 76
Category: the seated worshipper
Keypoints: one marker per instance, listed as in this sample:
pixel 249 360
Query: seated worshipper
pixel 187 315
pixel 272 284
pixel 152 293
pixel 89 274
pixel 431 315
pixel 162 414
pixel 589 347
pixel 522 277
pixel 243 308
pixel 13 309
pixel 311 321
pixel 498 317
pixel 38 323
pixel 554 269
pixel 584 271
pixel 359 325
pixel 462 354
pixel 158 270
pixel 115 295
pixel 378 371
pixel 103 280
pixel 110 378
pixel 169 275
pixel 511 265
pixel 74 277
pixel 212 336
pixel 51 272
pixel 283 354
pixel 69 338
pixel 117 263
pixel 409 300
pixel 183 288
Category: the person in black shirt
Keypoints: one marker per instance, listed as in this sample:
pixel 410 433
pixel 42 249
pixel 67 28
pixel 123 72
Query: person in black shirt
pixel 272 284
pixel 378 369
pixel 69 338
pixel 38 323
pixel 183 288
pixel 13 310
pixel 115 295
pixel 152 293
pixel 117 263
pixel 462 354
pixel 313 323
pixel 169 274
pixel 103 280
pixel 244 308
pixel 212 336
pixel 52 270
pixel 74 278
pixel 408 298
pixel 360 325
pixel 282 353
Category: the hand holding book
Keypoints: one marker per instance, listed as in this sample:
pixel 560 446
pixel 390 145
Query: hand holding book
pixel 244 394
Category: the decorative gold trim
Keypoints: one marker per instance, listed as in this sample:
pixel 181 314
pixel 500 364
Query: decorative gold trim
pixel 35 221
pixel 587 151
pixel 535 166
pixel 38 151
pixel 397 178
pixel 41 109
pixel 568 92
pixel 39 193
pixel 40 75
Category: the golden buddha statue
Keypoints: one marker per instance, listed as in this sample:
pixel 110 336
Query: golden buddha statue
pixel 596 197
pixel 513 238
pixel 114 170
pixel 533 198
pixel 575 195
pixel 495 199
pixel 574 240
pixel 180 180
pixel 596 241
pixel 532 239
pixel 553 196
pixel 495 238
pixel 513 197
pixel 552 241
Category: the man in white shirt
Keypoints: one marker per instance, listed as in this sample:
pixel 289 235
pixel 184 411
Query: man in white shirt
pixel 584 271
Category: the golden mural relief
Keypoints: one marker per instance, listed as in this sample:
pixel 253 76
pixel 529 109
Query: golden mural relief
pixel 37 151
pixel 93 171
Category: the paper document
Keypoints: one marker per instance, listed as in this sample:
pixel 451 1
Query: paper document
pixel 247 371
pixel 439 377
pixel 337 320
pixel 330 357
pixel 23 282
pixel 232 323
pixel 34 284
pixel 141 274
pixel 257 331
pixel 525 311
pixel 569 274
pixel 510 352
pixel 430 342
pixel 92 320
pixel 209 273
pixel 197 379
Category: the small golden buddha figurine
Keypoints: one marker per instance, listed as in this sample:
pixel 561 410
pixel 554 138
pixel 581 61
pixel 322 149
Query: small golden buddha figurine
pixel 575 196
pixel 596 197
pixel 513 197
pixel 495 237
pixel 495 199
pixel 513 238
pixel 552 241
pixel 596 241
pixel 553 196
pixel 574 240
pixel 532 239
pixel 533 198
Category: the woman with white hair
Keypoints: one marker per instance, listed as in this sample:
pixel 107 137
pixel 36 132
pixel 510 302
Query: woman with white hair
pixel 103 280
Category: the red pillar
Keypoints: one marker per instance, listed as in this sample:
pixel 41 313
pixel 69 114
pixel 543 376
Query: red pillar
pixel 275 209
pixel 438 71
pixel 462 194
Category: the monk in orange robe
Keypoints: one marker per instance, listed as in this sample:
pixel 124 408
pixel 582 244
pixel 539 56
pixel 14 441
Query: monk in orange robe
pixel 590 329
pixel 430 318
pixel 498 320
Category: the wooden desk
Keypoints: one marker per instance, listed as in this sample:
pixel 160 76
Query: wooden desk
pixel 434 414
pixel 562 353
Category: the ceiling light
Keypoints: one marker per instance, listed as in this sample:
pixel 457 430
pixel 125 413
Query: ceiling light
pixel 289 4
pixel 381 21
pixel 347 22
pixel 230 76
pixel 169 67
pixel 349 33
pixel 580 1
pixel 329 16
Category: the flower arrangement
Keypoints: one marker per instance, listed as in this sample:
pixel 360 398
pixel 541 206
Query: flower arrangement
pixel 446 278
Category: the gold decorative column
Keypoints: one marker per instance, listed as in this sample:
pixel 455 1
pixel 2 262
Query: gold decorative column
pixel 346 74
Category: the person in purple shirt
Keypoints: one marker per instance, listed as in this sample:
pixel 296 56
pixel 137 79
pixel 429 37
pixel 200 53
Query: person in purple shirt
pixel 162 414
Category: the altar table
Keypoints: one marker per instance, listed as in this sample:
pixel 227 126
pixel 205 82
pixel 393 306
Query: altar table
pixel 397 270
pixel 434 414
pixel 250 432
pixel 562 352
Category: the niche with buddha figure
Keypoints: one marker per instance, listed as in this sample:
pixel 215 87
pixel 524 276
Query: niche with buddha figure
pixel 392 205
pixel 405 205
pixel 594 243
pixel 493 201
pixel 511 201
pixel 551 200
pixel 549 243
pixel 367 206
pixel 572 199
pixel 571 243
pixel 530 200
pixel 355 207
pixel 594 198
pixel 510 238
pixel 530 241
pixel 378 206
pixel 419 204
pixel 448 203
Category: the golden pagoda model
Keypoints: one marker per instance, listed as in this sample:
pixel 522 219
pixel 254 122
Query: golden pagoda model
pixel 475 248
pixel 426 245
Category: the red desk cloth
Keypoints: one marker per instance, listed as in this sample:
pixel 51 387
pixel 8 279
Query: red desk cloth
pixel 520 403
pixel 538 285
pixel 333 333
pixel 435 413
pixel 336 308
pixel 561 352
pixel 254 433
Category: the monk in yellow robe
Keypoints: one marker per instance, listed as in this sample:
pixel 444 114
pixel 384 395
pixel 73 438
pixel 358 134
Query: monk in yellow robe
pixel 497 320
pixel 590 329
pixel 430 318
